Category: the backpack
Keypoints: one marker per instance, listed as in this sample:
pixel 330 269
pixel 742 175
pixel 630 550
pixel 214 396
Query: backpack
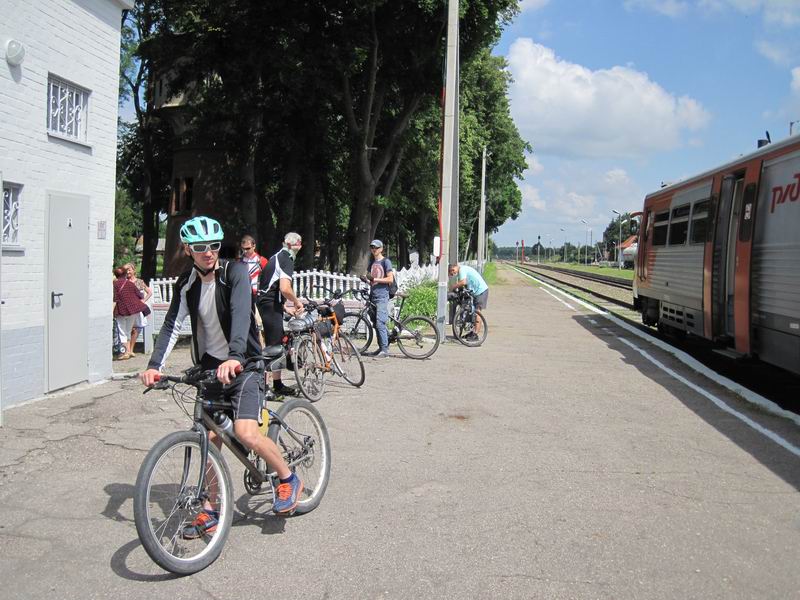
pixel 393 284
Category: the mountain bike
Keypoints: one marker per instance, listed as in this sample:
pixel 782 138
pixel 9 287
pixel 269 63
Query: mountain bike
pixel 319 350
pixel 469 326
pixel 346 359
pixel 184 470
pixel 416 336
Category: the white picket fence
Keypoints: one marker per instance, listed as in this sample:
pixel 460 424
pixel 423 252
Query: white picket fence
pixel 307 284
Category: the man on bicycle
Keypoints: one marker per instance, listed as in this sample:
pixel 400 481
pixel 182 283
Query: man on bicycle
pixel 380 274
pixel 274 288
pixel 216 294
pixel 466 276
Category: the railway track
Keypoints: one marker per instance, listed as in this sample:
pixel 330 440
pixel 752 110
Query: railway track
pixel 773 383
pixel 603 287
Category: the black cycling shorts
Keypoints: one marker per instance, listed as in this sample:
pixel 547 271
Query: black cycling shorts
pixel 273 326
pixel 245 392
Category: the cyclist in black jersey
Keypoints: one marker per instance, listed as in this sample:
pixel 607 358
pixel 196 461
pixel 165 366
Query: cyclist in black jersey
pixel 217 295
pixel 274 288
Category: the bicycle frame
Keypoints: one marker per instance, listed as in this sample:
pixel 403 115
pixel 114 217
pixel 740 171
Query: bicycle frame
pixel 203 423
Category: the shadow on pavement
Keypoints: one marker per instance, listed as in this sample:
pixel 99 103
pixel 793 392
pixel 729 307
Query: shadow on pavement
pixel 118 494
pixel 252 509
pixel 777 459
pixel 119 565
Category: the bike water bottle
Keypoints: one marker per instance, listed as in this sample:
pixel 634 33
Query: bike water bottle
pixel 225 424
pixel 326 348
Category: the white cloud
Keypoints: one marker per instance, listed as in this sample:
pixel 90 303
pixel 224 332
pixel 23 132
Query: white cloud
pixel 669 8
pixel 534 166
pixel 617 177
pixel 796 81
pixel 784 13
pixel 569 110
pixel 532 5
pixel 531 197
pixel 773 52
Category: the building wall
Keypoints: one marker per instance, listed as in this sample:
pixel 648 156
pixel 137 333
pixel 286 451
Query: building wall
pixel 78 41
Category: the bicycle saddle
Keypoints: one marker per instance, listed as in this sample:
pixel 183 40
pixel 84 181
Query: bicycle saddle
pixel 272 351
pixel 401 295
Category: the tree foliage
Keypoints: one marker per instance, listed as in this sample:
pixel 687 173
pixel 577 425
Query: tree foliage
pixel 325 118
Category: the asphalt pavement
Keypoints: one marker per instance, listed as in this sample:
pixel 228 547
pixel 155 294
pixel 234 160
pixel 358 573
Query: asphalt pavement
pixel 555 461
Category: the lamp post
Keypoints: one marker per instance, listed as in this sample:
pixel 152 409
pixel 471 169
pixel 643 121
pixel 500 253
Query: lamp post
pixel 585 241
pixel 564 256
pixel 619 242
pixel 482 216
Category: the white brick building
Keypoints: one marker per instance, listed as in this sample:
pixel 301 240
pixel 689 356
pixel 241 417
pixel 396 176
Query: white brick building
pixel 58 133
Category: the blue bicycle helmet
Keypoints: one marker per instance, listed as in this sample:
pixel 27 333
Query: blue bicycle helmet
pixel 201 229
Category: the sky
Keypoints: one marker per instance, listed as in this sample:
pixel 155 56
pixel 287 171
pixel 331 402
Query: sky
pixel 618 96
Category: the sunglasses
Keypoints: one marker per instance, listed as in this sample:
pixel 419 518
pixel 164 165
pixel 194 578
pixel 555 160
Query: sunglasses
pixel 200 248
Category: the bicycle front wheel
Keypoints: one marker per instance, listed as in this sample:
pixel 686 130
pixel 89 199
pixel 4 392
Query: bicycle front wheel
pixel 417 337
pixel 464 329
pixel 348 360
pixel 302 438
pixel 359 329
pixel 167 501
pixel 309 367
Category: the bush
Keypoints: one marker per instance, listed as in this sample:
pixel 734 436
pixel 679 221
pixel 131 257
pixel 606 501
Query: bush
pixel 421 300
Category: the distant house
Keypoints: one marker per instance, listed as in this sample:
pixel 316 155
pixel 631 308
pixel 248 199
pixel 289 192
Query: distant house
pixel 159 246
pixel 59 81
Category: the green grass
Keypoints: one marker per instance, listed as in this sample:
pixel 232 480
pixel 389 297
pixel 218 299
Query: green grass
pixel 490 273
pixel 621 273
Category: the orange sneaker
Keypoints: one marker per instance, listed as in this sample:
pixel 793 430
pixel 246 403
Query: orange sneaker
pixel 287 496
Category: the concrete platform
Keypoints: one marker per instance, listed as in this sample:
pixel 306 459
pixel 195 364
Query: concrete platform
pixel 556 461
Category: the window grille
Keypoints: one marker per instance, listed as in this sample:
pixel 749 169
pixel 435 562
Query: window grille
pixel 11 214
pixel 67 107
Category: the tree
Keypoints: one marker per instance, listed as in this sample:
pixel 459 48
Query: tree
pixel 611 234
pixel 144 154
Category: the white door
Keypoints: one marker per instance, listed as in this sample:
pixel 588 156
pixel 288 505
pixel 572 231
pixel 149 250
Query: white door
pixel 67 293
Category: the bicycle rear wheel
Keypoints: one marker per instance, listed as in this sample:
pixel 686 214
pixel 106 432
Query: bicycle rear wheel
pixel 309 370
pixel 166 501
pixel 302 437
pixel 417 337
pixel 358 329
pixel 348 360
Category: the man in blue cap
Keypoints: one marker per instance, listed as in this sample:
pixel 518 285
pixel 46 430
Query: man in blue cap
pixel 380 274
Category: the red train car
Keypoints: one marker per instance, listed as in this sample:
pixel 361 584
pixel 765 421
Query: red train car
pixel 719 256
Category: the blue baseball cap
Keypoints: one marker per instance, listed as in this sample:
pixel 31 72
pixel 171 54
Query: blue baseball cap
pixel 376 244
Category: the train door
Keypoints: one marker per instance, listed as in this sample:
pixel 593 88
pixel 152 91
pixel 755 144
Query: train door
pixel 724 261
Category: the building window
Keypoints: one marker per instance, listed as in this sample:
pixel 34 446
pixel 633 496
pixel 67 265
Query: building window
pixel 67 109
pixel 182 191
pixel 11 214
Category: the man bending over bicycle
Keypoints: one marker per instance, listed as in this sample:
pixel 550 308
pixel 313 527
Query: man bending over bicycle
pixel 466 276
pixel 217 295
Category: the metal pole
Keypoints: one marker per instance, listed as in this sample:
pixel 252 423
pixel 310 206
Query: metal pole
pixel 482 217
pixel 1 318
pixel 449 148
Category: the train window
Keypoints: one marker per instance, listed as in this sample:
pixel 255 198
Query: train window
pixel 699 223
pixel 660 227
pixel 679 225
